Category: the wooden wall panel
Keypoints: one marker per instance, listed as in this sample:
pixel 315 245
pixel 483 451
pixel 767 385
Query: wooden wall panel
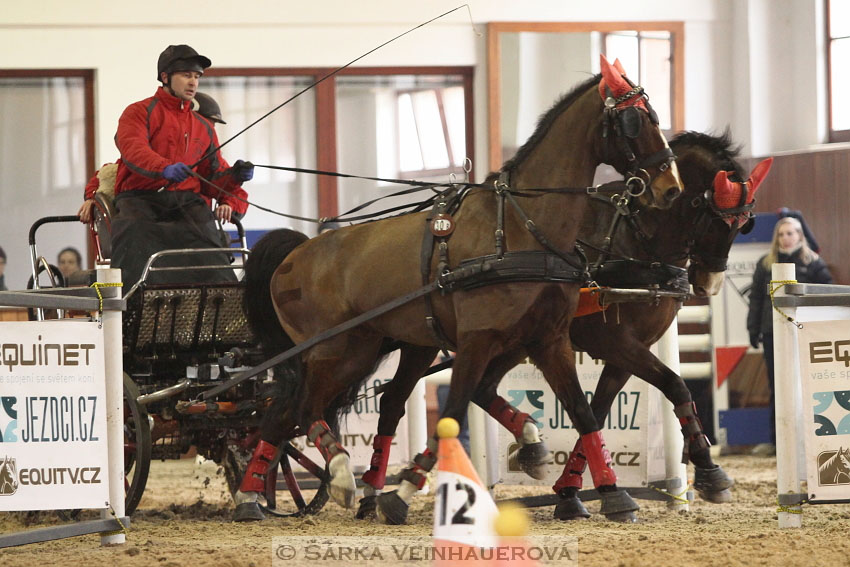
pixel 818 184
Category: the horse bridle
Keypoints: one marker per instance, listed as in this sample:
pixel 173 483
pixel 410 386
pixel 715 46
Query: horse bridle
pixel 710 212
pixel 625 124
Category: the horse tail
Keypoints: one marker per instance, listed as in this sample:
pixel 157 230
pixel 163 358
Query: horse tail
pixel 266 255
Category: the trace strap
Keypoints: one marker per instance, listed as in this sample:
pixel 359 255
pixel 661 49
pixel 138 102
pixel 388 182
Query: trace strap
pixel 332 332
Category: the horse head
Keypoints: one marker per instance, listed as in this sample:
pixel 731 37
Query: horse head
pixel 717 205
pixel 632 141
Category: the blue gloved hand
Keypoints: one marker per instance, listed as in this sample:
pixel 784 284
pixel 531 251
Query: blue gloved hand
pixel 176 172
pixel 243 170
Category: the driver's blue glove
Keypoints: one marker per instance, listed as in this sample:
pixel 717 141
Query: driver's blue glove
pixel 176 172
pixel 243 170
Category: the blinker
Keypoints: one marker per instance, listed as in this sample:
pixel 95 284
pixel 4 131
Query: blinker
pixel 629 118
pixel 748 226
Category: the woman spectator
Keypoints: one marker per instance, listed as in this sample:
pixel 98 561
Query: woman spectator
pixel 789 245
pixel 70 261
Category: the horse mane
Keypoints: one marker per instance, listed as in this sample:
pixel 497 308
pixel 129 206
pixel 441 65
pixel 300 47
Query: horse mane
pixel 547 119
pixel 724 151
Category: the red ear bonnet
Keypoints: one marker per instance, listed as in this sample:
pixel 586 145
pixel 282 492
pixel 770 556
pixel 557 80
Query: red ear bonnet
pixel 614 84
pixel 727 194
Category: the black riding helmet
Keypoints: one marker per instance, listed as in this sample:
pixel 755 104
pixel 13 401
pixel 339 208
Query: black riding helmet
pixel 206 106
pixel 180 58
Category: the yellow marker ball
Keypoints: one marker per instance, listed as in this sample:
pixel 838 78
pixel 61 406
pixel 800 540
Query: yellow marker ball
pixel 512 521
pixel 447 427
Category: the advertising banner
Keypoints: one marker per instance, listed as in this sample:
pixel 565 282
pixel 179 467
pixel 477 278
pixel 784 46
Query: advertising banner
pixel 825 373
pixel 53 451
pixel 633 431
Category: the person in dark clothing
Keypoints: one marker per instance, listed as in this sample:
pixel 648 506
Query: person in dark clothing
pixel 789 245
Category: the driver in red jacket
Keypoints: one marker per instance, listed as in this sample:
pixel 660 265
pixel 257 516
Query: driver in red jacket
pixel 160 203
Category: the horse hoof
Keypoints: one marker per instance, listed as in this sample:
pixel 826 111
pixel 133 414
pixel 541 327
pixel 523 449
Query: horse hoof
pixel 532 459
pixel 722 497
pixel 570 509
pixel 623 517
pixel 618 506
pixel 368 507
pixel 392 510
pixel 713 485
pixel 343 487
pixel 248 512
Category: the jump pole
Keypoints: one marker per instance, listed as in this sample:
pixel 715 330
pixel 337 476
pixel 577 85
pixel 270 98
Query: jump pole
pixel 676 471
pixel 787 384
pixel 112 347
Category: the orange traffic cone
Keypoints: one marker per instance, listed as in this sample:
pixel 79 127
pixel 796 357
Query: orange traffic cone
pixel 464 512
pixel 512 527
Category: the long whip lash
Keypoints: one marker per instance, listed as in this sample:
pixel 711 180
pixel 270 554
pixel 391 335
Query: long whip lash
pixel 329 75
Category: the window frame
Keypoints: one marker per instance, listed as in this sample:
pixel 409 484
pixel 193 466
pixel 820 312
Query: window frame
pixel 833 135
pixel 494 95
pixel 325 93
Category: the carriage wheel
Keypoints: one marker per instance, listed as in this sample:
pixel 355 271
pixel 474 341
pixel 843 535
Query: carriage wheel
pixel 296 502
pixel 137 446
pixel 289 499
pixel 137 451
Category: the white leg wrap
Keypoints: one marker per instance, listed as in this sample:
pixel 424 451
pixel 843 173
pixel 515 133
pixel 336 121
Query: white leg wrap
pixel 406 491
pixel 530 434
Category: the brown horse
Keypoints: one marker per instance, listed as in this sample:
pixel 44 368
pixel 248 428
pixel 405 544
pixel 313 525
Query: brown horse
pixel 701 227
pixel 340 275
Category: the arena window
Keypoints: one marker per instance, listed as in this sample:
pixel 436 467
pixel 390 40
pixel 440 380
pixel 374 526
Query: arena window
pixel 838 59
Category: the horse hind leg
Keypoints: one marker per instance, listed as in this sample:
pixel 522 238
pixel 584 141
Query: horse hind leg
pixel 412 365
pixel 277 424
pixel 472 359
pixel 335 370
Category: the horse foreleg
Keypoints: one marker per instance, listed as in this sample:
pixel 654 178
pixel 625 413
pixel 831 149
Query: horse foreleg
pixel 710 481
pixel 412 365
pixel 471 361
pixel 555 361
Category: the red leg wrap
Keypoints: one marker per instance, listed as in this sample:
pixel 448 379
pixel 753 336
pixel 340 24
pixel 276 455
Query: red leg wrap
pixel 321 436
pixel 376 476
pixel 571 477
pixel 692 431
pixel 599 459
pixel 511 418
pixel 256 471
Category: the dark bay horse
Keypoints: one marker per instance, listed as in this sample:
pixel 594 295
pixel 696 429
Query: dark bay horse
pixel 333 278
pixel 700 226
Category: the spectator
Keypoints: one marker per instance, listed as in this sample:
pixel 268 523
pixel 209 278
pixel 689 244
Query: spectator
pixel 789 245
pixel 70 261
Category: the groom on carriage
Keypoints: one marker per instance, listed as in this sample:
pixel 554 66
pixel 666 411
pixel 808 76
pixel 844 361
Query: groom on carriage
pixel 168 175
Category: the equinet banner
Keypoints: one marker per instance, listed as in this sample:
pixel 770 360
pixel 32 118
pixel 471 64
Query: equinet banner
pixel 53 452
pixel 825 374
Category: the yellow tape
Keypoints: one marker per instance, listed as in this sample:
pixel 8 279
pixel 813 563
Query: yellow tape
pixel 679 497
pixel 776 285
pixel 97 286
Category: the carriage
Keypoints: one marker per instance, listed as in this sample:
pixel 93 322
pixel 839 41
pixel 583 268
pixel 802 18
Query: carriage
pixel 179 340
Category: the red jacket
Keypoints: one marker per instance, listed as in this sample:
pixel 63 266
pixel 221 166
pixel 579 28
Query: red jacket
pixel 161 130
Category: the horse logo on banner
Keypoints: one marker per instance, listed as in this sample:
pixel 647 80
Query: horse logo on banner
pixel 834 467
pixel 8 477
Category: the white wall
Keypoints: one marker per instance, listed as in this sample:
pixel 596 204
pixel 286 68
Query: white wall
pixel 752 64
